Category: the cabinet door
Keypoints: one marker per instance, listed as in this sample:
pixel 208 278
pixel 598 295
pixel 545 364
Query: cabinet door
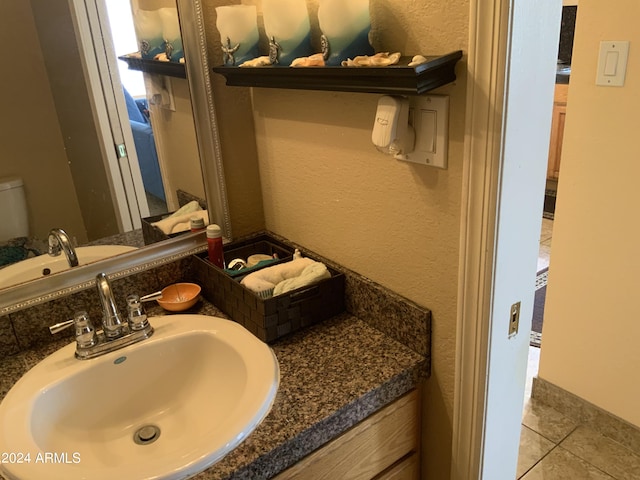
pixel 557 131
pixel 555 145
pixel 406 469
pixel 369 448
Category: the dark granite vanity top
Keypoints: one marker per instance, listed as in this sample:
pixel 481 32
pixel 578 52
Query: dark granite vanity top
pixel 565 45
pixel 333 375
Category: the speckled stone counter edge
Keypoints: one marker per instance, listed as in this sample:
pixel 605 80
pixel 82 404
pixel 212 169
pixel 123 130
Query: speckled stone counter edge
pixel 323 432
pixel 392 314
pixel 333 375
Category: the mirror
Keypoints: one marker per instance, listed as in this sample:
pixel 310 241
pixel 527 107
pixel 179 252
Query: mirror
pixel 197 70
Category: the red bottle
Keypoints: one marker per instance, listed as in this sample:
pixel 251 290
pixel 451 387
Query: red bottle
pixel 214 242
pixel 197 224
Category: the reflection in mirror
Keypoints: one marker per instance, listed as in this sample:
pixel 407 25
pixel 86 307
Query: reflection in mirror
pixel 44 265
pixel 56 144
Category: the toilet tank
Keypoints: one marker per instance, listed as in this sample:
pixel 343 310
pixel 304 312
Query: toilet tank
pixel 14 222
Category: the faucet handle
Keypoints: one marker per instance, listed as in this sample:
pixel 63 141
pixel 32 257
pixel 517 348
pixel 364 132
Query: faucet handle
pixel 85 332
pixel 54 248
pixel 137 315
pixel 58 327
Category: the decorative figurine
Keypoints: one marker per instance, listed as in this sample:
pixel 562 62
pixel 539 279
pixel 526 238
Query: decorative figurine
pixel 315 60
pixel 168 49
pixel 325 47
pixel 288 22
pixel 382 59
pixel 148 28
pixel 144 48
pixel 345 27
pixel 172 38
pixel 228 51
pixel 238 27
pixel 274 51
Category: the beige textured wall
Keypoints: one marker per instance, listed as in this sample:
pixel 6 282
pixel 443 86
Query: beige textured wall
pixel 325 186
pixel 30 135
pixel 175 136
pixel 591 326
pixel 74 111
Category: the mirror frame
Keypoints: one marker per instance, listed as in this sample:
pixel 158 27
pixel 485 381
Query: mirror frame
pixel 28 294
pixel 75 279
pixel 194 43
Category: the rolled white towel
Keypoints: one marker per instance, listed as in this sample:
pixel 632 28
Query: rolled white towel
pixel 264 281
pixel 260 287
pixel 311 274
pixel 192 206
pixel 181 223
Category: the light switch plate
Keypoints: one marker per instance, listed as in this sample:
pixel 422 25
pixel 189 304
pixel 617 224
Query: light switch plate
pixel 612 63
pixel 429 115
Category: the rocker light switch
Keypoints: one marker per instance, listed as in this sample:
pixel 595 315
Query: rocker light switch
pixel 430 115
pixel 612 63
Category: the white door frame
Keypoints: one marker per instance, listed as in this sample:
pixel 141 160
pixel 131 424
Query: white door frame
pixel 507 137
pixel 110 113
pixel 486 63
pixel 118 114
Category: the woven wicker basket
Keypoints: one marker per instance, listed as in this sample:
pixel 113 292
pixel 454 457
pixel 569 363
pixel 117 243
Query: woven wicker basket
pixel 272 318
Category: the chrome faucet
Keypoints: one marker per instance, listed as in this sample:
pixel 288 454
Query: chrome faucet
pixel 112 324
pixel 59 241
pixel 115 333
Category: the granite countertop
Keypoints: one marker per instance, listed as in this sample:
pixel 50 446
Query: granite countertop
pixel 332 376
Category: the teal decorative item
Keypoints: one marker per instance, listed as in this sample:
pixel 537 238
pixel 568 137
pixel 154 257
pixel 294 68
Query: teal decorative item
pixel 238 28
pixel 286 23
pixel 345 27
pixel 148 27
pixel 171 34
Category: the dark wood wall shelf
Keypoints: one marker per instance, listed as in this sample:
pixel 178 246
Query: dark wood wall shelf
pixel 171 69
pixel 399 79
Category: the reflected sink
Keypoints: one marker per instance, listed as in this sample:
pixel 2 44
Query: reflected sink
pixel 200 384
pixel 33 268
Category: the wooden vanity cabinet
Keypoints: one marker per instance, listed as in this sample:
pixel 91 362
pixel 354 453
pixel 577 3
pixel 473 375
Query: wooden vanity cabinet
pixel 557 130
pixel 383 446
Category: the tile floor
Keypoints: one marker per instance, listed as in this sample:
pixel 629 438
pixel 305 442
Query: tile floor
pixel 545 243
pixel 157 206
pixel 554 447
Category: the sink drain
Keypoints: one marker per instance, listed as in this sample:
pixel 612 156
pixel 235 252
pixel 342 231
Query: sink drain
pixel 146 435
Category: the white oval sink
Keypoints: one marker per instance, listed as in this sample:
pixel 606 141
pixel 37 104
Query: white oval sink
pixel 206 383
pixel 33 268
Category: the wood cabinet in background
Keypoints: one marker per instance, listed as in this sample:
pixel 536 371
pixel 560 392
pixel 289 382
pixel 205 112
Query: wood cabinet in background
pixel 557 130
pixel 384 446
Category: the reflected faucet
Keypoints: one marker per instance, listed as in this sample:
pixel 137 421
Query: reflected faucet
pixel 59 241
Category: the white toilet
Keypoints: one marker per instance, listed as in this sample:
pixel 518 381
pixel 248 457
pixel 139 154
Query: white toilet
pixel 13 209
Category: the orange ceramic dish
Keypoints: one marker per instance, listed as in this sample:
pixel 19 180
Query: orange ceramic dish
pixel 179 296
